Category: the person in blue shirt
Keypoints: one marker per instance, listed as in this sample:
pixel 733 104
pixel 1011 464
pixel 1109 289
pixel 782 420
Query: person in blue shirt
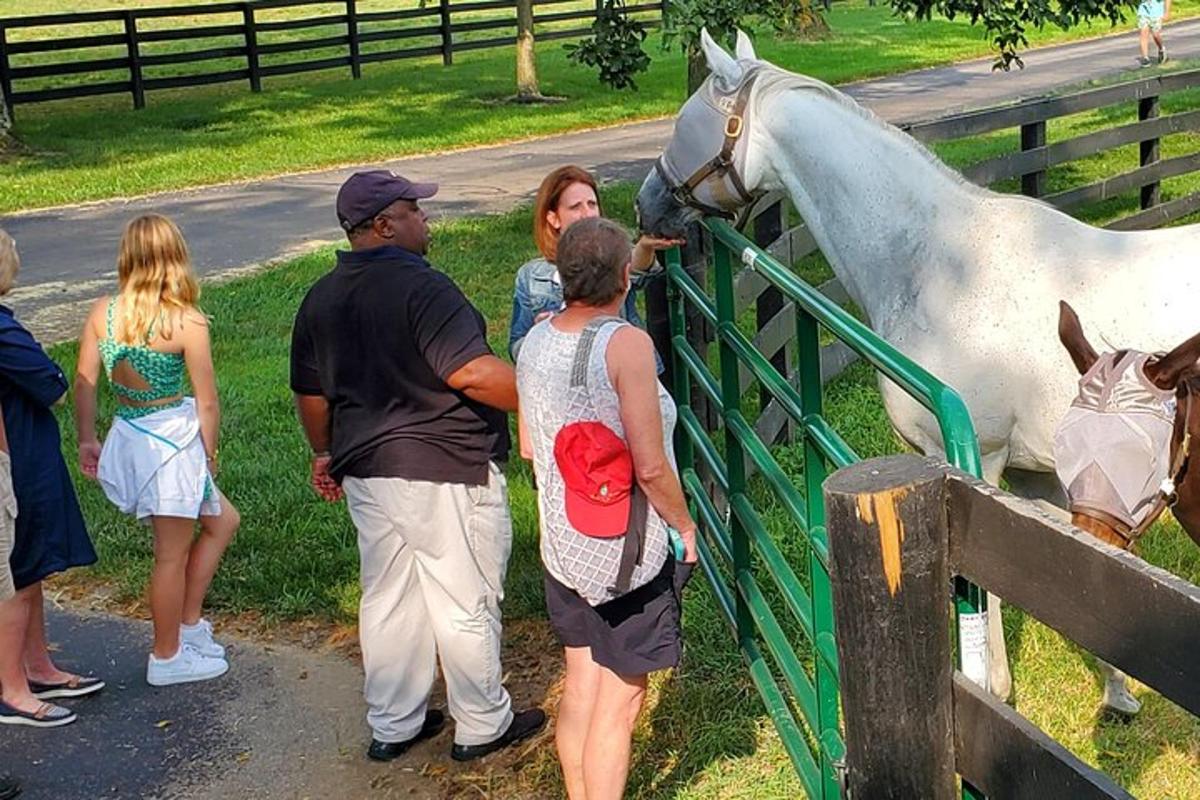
pixel 1151 14
pixel 567 194
pixel 49 536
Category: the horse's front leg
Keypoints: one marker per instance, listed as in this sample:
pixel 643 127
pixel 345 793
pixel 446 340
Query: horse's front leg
pixel 1116 690
pixel 999 676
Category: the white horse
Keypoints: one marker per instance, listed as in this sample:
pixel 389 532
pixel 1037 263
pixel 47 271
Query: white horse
pixel 963 280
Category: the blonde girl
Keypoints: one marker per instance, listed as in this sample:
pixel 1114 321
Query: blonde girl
pixel 160 457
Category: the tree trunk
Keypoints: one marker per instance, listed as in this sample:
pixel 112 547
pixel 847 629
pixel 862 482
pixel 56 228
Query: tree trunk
pixel 527 82
pixel 5 120
pixel 697 69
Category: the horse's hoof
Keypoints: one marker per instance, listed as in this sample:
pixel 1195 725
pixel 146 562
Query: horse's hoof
pixel 1120 703
pixel 1001 689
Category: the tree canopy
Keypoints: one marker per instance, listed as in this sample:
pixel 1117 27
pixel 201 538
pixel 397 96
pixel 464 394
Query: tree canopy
pixel 615 47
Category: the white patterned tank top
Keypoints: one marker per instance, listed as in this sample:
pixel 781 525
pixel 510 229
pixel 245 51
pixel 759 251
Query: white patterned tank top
pixel 548 403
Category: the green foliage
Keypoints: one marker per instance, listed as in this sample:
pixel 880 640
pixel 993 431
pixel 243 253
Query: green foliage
pixel 795 17
pixel 1007 22
pixel 684 19
pixel 614 48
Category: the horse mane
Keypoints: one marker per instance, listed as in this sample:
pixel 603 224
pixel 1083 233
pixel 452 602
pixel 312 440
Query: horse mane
pixel 774 80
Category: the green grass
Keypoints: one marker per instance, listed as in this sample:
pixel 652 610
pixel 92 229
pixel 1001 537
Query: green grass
pixel 97 148
pixel 705 735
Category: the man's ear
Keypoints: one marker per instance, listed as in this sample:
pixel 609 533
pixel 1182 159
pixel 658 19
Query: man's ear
pixel 382 225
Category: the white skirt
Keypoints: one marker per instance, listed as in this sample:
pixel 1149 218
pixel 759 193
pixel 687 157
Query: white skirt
pixel 155 466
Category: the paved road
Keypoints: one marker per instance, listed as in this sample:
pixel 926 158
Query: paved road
pixel 243 225
pixel 285 723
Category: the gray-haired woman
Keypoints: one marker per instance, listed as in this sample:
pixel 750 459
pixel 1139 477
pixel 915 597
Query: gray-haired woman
pixel 617 542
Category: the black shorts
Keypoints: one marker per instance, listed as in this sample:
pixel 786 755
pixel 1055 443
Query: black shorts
pixel 635 634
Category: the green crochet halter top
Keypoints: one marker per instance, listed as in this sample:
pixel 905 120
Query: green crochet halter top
pixel 162 372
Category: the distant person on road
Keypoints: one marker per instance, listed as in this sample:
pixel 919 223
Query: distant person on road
pixel 160 457
pixel 1151 14
pixel 567 194
pixel 405 407
pixel 48 534
pixel 617 541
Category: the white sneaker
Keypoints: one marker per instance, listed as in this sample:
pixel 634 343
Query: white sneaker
pixel 187 666
pixel 199 637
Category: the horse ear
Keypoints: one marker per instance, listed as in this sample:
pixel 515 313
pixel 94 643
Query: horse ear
pixel 1165 372
pixel 1070 333
pixel 744 50
pixel 720 63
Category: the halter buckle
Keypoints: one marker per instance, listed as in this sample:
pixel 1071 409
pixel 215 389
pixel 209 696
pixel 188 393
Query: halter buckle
pixel 733 126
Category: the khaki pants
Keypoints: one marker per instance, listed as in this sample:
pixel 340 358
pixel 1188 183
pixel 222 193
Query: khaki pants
pixel 433 561
pixel 8 515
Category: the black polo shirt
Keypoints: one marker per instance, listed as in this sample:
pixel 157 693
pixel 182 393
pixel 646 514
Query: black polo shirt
pixel 378 336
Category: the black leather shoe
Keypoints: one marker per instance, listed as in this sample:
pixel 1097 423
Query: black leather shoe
pixel 386 751
pixel 9 788
pixel 524 724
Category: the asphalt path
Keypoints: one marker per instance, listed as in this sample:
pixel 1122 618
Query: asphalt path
pixel 68 253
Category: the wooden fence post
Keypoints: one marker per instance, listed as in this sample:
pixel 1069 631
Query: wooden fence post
pixel 447 33
pixel 768 226
pixel 889 563
pixel 352 34
pixel 1151 192
pixel 5 76
pixel 135 61
pixel 1033 135
pixel 251 34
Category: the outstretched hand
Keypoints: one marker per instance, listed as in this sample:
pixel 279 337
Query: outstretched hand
pixel 323 482
pixel 645 248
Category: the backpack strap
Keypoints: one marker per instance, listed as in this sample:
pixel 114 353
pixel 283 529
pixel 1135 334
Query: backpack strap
pixel 583 350
pixel 635 540
pixel 635 532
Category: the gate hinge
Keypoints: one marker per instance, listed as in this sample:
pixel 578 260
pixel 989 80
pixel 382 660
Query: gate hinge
pixel 843 776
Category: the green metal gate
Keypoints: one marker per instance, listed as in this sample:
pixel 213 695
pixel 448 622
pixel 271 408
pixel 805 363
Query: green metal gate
pixel 737 543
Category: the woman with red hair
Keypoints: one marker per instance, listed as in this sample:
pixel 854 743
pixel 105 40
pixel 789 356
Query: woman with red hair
pixel 566 195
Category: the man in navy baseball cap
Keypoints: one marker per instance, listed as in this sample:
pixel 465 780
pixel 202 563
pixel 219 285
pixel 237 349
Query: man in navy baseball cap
pixel 405 407
pixel 365 206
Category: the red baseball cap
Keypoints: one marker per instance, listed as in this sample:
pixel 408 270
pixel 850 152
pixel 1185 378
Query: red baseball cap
pixel 597 469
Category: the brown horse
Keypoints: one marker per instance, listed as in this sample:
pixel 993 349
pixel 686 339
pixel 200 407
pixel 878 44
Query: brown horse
pixel 1122 452
pixel 1160 473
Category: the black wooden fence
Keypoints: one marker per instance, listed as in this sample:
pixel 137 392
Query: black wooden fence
pixel 898 528
pixel 232 36
pixel 1036 156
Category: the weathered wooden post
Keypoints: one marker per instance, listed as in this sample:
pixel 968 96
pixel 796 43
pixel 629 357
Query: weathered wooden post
pixel 768 227
pixel 1148 151
pixel 136 85
pixel 889 562
pixel 6 91
pixel 250 34
pixel 1033 136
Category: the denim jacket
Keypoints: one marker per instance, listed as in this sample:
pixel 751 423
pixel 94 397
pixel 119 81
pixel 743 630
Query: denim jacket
pixel 538 290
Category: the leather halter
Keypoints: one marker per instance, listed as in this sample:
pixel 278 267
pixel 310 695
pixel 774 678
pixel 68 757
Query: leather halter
pixel 722 165
pixel 1163 499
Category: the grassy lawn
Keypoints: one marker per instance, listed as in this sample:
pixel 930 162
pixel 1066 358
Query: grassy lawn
pixel 705 734
pixel 98 148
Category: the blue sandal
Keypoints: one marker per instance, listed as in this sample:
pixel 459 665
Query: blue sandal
pixel 75 686
pixel 47 715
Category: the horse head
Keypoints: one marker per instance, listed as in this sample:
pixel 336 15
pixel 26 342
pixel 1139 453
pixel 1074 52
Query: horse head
pixel 1122 451
pixel 709 166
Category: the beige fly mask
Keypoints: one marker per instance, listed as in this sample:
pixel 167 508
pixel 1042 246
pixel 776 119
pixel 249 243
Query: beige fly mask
pixel 1112 451
pixel 705 161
